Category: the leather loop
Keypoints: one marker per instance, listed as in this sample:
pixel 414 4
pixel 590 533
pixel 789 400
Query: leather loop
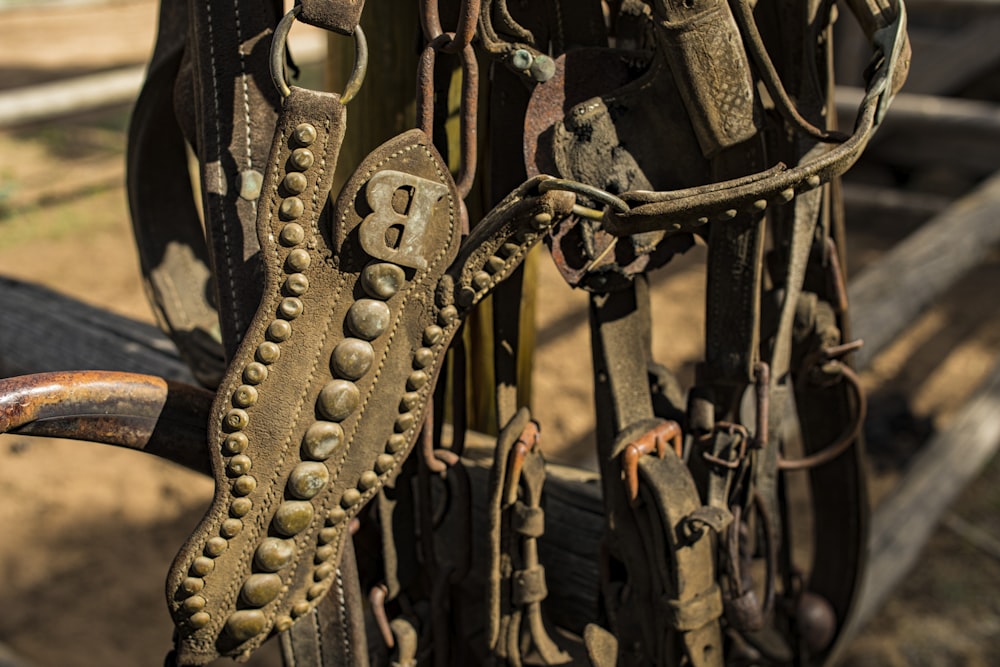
pixel 696 612
pixel 529 585
pixel 528 521
pixel 339 16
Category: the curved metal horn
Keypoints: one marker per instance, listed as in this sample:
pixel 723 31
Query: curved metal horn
pixel 141 412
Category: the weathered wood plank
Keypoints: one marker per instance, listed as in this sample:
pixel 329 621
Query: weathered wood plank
pixel 42 330
pixel 889 296
pixel 903 522
pixel 923 131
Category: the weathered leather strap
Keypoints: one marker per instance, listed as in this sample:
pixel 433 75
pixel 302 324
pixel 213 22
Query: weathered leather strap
pixel 235 108
pixel 340 16
pixel 168 232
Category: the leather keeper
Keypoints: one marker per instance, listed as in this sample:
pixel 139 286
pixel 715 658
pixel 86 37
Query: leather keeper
pixel 528 521
pixel 529 586
pixel 706 57
pixel 340 16
pixel 696 612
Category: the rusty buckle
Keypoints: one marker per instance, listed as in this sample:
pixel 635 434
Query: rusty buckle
pixel 654 440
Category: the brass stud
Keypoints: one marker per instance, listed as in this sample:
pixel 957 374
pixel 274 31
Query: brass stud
pixel 321 440
pixel 279 331
pixel 384 463
pixel 812 182
pixel 215 547
pixel 465 297
pixel 323 572
pixel 282 623
pixel 268 352
pixel 351 498
pixel 245 624
pixel 409 401
pixel 404 422
pixel 244 396
pixel 541 220
pixel 324 553
pixel 786 195
pixel 202 566
pixel 423 357
pixel 316 591
pixel 295 183
pixel 239 465
pixel 352 358
pixel 727 214
pixel 447 315
pixel 336 515
pixel 296 284
pixel 495 264
pixel 703 220
pixel 368 318
pixel 304 134
pixel 200 620
pixel 273 554
pixel 290 308
pixel 298 260
pixel 416 380
pixel 433 335
pixel 254 373
pixel 292 234
pixel 240 507
pixel 481 280
pixel 396 443
pixel 338 399
pixel 368 480
pixel 250 182
pixel 510 249
pixel 235 443
pixel 382 280
pixel 231 528
pixel 300 609
pixel 259 589
pixel 302 159
pixel 292 517
pixel 194 604
pixel 291 209
pixel 192 585
pixel 329 534
pixel 236 419
pixel 244 485
pixel 759 205
pixel 307 479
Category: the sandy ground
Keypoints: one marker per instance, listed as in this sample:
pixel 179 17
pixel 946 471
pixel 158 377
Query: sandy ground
pixel 88 532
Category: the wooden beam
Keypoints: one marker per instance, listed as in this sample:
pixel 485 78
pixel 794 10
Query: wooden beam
pixel 889 296
pixel 42 330
pixel 927 131
pixel 903 522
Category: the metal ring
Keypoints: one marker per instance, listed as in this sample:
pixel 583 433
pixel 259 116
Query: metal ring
pixel 280 38
pixel 576 187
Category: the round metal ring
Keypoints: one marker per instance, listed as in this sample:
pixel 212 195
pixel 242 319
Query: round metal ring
pixel 280 38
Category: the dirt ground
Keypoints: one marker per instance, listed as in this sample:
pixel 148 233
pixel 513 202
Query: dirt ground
pixel 87 532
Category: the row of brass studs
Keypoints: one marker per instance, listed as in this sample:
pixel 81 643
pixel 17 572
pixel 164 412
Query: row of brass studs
pixel 260 588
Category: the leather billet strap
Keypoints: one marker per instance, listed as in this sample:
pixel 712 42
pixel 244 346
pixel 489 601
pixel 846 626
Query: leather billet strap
pixel 326 394
pixel 517 585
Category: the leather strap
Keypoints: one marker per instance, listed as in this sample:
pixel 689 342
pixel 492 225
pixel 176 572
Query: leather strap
pixel 168 232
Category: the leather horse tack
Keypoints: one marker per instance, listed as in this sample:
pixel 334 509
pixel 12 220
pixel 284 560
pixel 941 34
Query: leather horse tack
pixel 325 326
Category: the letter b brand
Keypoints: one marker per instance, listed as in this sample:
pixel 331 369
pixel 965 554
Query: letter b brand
pixel 401 205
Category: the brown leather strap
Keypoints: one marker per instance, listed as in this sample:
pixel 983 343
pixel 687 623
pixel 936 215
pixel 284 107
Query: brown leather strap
pixel 340 16
pixel 235 108
pixel 173 254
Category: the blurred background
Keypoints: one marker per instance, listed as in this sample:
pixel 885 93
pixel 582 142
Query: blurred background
pixel 87 533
